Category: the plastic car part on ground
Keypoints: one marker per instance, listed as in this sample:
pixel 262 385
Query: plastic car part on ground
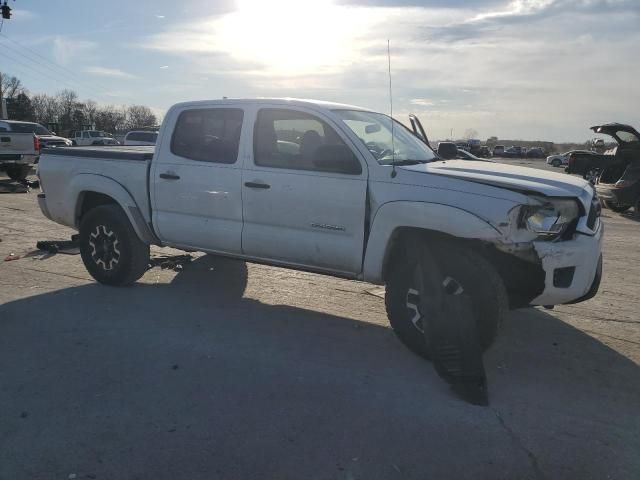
pixel 170 262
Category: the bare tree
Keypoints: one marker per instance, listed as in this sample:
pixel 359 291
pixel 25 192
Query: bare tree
pixel 45 108
pixel 110 118
pixel 140 116
pixel 90 110
pixel 11 87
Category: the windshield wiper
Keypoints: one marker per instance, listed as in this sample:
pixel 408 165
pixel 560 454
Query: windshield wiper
pixel 400 163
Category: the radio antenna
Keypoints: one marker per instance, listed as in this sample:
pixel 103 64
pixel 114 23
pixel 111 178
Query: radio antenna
pixel 393 147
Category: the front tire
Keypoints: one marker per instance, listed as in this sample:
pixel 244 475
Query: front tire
pixel 459 266
pixel 110 248
pixel 555 163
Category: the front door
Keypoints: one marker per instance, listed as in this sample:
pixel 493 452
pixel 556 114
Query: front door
pixel 297 210
pixel 196 180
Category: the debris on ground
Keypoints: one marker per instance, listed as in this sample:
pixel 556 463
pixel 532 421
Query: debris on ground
pixel 68 247
pixel 170 262
pixel 13 188
pixel 11 256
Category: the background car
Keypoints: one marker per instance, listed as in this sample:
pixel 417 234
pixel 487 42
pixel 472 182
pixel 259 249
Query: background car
pixel 535 152
pixel 484 152
pixel 447 150
pixel 558 159
pixel 464 155
pixel 514 152
pixel 93 137
pixel 585 163
pixel 140 137
pixel 498 150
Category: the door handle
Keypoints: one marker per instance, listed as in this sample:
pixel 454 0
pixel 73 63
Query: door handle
pixel 170 176
pixel 257 185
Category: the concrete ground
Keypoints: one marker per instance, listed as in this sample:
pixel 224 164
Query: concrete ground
pixel 229 370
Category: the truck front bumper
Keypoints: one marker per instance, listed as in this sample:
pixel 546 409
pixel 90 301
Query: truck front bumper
pixel 573 269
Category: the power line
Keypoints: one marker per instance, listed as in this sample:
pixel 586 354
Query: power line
pixel 44 72
pixel 61 68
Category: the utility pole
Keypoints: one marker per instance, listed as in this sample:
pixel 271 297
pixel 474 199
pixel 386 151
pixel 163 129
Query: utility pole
pixel 3 103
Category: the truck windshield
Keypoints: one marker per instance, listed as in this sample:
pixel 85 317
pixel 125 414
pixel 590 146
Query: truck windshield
pixel 96 134
pixel 374 130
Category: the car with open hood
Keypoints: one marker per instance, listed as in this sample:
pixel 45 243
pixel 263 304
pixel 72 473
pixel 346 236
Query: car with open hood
pixel 618 183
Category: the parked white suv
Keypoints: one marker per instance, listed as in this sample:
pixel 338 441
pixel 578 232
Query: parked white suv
pixel 93 137
pixel 140 137
pixel 323 187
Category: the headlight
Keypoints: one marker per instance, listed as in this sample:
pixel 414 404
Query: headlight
pixel 551 217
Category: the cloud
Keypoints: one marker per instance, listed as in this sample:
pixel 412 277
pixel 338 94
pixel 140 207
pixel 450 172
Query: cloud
pixel 423 102
pixel 66 50
pixel 518 69
pixel 108 72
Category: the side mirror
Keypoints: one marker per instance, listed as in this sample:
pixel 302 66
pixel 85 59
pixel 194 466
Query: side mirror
pixel 447 150
pixel 337 159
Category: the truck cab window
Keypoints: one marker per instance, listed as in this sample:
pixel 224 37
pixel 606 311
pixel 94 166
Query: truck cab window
pixel 208 134
pixel 296 140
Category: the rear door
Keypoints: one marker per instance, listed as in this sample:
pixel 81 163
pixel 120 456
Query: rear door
pixel 196 178
pixel 296 212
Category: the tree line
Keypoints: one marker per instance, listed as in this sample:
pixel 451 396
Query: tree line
pixel 65 112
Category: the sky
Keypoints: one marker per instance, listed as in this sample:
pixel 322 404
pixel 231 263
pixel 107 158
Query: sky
pixel 515 69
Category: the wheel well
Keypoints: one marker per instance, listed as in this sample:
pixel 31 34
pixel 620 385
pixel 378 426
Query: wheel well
pixel 524 280
pixel 400 237
pixel 89 200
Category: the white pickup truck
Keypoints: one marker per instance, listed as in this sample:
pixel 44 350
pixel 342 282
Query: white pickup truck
pixel 19 148
pixel 324 187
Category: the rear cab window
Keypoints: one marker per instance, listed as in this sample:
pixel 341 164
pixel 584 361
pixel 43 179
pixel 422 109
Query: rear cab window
pixel 208 134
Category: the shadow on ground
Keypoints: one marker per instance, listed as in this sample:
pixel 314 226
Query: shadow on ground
pixel 191 380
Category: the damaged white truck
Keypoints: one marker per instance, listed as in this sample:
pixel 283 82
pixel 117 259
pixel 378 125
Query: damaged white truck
pixel 339 190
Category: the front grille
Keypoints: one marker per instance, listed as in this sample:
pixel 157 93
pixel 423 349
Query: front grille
pixel 594 213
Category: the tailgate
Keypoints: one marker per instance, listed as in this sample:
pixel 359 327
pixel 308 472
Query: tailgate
pixel 17 144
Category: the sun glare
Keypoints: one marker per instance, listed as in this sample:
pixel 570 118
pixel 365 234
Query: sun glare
pixel 292 37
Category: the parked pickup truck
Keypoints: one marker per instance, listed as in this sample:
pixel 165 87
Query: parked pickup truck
pixel 19 148
pixel 321 187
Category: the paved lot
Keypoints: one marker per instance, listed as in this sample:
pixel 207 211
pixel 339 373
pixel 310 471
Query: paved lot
pixel 234 371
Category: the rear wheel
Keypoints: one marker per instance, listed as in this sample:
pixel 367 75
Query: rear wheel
pixel 18 172
pixel 110 248
pixel 615 207
pixel 462 270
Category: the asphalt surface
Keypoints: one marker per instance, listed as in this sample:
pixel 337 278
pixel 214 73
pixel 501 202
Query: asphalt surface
pixel 227 370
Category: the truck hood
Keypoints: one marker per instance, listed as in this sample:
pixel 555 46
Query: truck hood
pixel 520 179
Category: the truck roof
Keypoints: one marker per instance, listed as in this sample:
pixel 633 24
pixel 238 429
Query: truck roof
pixel 271 101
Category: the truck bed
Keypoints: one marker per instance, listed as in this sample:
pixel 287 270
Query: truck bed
pixel 67 172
